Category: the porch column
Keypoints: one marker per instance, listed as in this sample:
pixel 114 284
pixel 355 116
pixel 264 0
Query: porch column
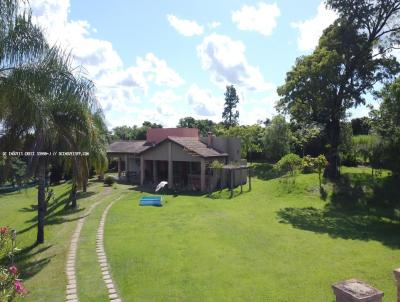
pixel 231 182
pixel 119 167
pixel 203 175
pixel 141 170
pixel 155 171
pixel 126 163
pixel 249 173
pixel 170 167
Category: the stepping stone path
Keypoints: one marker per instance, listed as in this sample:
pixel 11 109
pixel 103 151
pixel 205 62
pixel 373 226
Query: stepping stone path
pixel 101 255
pixel 72 289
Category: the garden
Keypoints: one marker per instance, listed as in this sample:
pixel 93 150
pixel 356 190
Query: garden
pixel 324 204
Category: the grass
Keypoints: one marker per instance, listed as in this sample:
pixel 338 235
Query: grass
pixel 43 266
pixel 280 242
pixel 91 286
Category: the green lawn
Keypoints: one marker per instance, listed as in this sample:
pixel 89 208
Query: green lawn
pixel 43 266
pixel 277 243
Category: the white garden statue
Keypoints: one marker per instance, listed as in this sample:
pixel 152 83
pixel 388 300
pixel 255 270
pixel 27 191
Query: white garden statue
pixel 161 185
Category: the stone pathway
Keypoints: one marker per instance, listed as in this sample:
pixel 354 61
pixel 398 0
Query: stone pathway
pixel 101 255
pixel 72 289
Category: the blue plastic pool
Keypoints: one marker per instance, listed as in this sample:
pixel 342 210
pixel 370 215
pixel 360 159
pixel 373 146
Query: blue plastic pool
pixel 151 201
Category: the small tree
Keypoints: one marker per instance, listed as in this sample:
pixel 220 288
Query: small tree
pixel 217 167
pixel 230 116
pixel 290 163
pixel 320 164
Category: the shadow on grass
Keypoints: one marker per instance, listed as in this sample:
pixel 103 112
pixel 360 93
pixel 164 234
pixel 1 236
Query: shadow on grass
pixel 29 260
pixel 360 208
pixel 265 171
pixel 226 193
pixel 150 189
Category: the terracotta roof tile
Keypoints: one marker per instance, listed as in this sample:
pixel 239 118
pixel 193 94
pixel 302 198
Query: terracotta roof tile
pixel 127 147
pixel 195 145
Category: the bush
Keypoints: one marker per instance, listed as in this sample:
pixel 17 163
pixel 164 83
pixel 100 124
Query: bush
pixel 307 165
pixel 290 163
pixel 350 159
pixel 10 284
pixel 109 180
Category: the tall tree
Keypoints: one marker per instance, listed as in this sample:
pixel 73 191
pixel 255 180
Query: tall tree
pixel 277 138
pixel 230 115
pixel 42 96
pixel 353 55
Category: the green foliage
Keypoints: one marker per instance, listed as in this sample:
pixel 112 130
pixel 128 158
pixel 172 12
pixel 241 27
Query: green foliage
pixel 216 164
pixel 386 123
pixel 133 133
pixel 204 126
pixel 10 284
pixel 321 87
pixel 230 115
pixel 290 163
pixel 320 164
pixel 364 146
pixel 13 170
pixel 277 138
pixel 304 135
pixel 361 126
pixel 251 137
pixel 307 164
pixel 109 180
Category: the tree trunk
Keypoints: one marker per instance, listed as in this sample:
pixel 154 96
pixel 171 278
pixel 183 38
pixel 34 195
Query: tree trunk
pixel 41 201
pixel 72 196
pixel 332 170
pixel 84 185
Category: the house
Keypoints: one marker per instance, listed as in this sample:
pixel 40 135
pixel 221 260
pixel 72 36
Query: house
pixel 179 156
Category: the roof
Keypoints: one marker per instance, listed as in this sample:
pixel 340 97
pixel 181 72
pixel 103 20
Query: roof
pixel 190 144
pixel 193 144
pixel 128 147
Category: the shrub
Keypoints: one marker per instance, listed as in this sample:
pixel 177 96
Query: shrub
pixel 109 180
pixel 10 285
pixel 307 164
pixel 290 163
pixel 350 159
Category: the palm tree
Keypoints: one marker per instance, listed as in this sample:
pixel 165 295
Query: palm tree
pixel 41 96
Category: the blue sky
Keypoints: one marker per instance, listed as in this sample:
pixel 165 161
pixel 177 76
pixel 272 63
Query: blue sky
pixel 163 60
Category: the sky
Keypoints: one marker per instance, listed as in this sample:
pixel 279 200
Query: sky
pixel 163 60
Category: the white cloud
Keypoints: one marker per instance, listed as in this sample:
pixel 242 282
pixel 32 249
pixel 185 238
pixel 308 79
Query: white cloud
pixel 258 108
pixel 225 59
pixel 310 30
pixel 97 56
pixel 260 18
pixel 117 86
pixel 164 98
pixel 204 103
pixel 149 69
pixel 187 28
pixel 214 24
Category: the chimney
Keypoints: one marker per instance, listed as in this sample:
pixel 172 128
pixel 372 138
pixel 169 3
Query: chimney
pixel 209 139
